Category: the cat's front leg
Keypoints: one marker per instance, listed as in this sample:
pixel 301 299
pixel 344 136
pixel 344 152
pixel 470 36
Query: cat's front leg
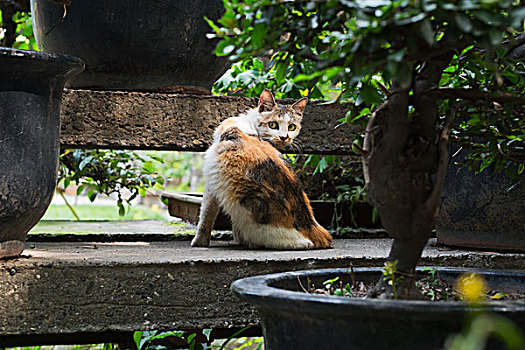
pixel 209 211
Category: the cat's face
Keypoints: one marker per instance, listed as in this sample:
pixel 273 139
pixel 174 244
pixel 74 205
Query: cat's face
pixel 279 124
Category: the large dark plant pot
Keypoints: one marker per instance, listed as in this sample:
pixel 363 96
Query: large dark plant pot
pixel 142 45
pixel 292 319
pixel 31 86
pixel 478 211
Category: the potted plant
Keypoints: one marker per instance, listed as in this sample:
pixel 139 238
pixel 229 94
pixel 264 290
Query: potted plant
pixel 411 67
pixel 30 98
pixel 136 45
pixel 293 316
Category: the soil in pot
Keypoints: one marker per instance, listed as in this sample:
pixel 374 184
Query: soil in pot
pixel 431 285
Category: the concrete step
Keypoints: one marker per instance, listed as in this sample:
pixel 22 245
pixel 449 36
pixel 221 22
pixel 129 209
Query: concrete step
pixel 59 288
pixel 178 122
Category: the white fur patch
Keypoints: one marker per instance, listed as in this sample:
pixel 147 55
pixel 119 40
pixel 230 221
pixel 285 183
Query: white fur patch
pixel 255 235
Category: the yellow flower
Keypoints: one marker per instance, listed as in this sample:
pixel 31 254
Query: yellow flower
pixel 472 286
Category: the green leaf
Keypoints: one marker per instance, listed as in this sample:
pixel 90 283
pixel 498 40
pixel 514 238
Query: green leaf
pixel 224 48
pixel 307 77
pixel 370 95
pixel 487 17
pixel 92 194
pixel 207 333
pixel 228 19
pixel 332 281
pixel 427 32
pixel 191 337
pixel 375 216
pixel 321 166
pixel 137 336
pixel 259 32
pixel 85 162
pixel 517 16
pixel 121 208
pixel 463 22
pixel 80 189
pixel 212 24
pixel 148 167
pixel 235 335
pixel 398 55
pixel 499 295
pixel 495 36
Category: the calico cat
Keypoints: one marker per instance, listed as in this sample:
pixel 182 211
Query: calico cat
pixel 249 179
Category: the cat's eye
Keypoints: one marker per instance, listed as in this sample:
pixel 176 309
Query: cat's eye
pixel 273 125
pixel 292 127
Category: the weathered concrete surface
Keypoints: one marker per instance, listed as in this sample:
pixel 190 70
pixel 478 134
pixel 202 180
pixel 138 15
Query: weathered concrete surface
pixel 144 230
pixel 131 120
pixel 66 287
pixel 116 231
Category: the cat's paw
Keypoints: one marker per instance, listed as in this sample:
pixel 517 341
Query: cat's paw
pixel 303 244
pixel 200 241
pixel 293 244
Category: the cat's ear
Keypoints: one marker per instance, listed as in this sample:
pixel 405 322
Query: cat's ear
pixel 299 106
pixel 266 101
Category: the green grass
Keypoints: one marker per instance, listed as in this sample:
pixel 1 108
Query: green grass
pixel 104 212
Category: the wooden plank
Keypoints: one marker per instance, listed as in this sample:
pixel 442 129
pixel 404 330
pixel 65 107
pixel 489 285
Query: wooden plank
pixel 131 120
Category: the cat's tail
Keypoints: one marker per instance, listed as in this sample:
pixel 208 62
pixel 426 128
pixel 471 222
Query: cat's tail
pixel 318 235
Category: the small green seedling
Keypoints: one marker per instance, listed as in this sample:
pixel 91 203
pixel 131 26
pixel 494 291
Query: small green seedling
pixel 389 273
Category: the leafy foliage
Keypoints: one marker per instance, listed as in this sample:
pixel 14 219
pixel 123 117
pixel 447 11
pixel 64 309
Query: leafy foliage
pixel 145 340
pixel 251 76
pixel 25 38
pixel 484 326
pixel 109 172
pixel 367 49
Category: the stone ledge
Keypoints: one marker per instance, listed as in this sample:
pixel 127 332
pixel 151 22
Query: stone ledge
pixel 146 231
pixel 136 120
pixel 64 288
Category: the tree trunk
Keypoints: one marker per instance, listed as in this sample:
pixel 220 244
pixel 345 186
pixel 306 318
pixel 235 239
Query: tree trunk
pixel 403 162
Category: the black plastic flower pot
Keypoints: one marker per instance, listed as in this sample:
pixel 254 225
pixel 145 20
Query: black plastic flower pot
pixel 134 44
pixel 31 86
pixel 479 210
pixel 293 319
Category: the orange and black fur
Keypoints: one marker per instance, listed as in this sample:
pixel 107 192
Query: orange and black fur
pixel 250 180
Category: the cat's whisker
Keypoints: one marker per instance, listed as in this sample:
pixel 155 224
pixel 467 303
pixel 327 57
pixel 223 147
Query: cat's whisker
pixel 296 146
